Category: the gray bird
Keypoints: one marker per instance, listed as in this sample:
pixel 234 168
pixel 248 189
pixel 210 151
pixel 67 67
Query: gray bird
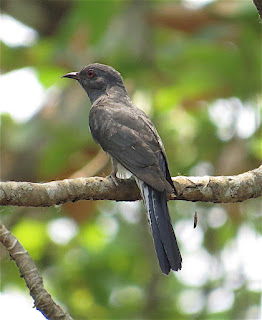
pixel 130 138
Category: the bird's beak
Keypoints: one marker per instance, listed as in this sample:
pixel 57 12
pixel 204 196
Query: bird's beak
pixel 72 75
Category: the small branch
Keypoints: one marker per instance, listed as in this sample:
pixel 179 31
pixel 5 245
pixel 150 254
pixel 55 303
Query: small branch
pixel 221 189
pixel 28 270
pixel 93 167
pixel 258 4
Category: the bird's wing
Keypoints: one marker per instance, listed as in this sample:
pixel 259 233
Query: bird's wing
pixel 127 137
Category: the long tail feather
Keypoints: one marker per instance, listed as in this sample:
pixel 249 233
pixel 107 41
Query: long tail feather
pixel 167 250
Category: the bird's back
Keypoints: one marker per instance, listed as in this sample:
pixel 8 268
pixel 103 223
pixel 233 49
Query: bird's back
pixel 129 136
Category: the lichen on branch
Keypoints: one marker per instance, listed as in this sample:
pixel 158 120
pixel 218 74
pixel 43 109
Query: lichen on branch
pixel 220 189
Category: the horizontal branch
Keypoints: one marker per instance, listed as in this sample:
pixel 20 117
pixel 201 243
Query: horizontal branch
pixel 220 189
pixel 28 270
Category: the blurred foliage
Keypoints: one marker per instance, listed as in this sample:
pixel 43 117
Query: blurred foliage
pixel 196 73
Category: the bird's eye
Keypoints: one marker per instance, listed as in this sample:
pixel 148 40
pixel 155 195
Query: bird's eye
pixel 90 73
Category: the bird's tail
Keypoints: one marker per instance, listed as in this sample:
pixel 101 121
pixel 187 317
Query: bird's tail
pixel 167 250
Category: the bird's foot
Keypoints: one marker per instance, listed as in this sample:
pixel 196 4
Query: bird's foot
pixel 114 178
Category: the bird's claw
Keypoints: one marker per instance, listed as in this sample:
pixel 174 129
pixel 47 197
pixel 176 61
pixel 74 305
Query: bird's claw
pixel 114 178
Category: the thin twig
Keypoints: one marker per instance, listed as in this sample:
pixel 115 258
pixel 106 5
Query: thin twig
pixel 28 270
pixel 93 167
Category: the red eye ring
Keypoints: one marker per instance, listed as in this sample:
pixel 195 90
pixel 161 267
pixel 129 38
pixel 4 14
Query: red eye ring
pixel 90 73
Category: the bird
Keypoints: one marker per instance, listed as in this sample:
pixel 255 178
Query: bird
pixel 127 134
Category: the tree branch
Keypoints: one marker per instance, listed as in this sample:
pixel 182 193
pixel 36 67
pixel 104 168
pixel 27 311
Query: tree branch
pixel 258 4
pixel 28 270
pixel 220 189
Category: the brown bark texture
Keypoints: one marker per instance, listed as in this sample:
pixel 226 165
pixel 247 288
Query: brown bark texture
pixel 219 189
pixel 28 270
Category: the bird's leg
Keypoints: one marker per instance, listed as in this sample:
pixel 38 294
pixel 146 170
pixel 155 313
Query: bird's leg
pixel 113 175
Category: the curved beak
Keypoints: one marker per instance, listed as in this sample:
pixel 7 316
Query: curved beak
pixel 72 75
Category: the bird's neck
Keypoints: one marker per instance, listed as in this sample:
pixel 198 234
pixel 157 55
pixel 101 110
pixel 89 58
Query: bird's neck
pixel 110 92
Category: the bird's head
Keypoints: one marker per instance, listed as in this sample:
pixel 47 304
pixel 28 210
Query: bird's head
pixel 96 78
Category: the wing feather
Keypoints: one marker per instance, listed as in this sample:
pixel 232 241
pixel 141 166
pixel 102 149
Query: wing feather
pixel 128 138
